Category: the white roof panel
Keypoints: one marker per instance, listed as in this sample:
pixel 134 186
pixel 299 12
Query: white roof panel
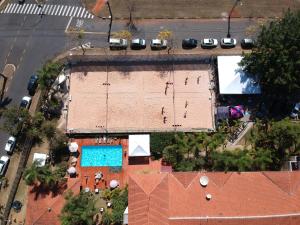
pixel 139 145
pixel 232 79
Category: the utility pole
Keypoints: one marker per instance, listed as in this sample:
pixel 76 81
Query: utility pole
pixel 111 19
pixel 229 17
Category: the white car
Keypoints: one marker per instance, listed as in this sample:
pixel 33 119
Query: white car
pixel 4 160
pixel 209 43
pixel 296 110
pixel 228 42
pixel 158 44
pixel 25 102
pixel 10 144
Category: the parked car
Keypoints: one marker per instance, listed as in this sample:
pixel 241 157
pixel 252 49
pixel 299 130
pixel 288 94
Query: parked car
pixel 228 42
pixel 157 44
pixel 32 84
pixel 138 43
pixel 117 43
pixel 296 110
pixel 4 160
pixel 189 43
pixel 209 43
pixel 25 102
pixel 247 43
pixel 10 144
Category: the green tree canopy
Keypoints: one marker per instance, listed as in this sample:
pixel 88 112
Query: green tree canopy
pixel 78 210
pixel 276 58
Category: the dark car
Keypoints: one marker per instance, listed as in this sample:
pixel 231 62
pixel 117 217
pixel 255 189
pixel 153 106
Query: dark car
pixel 32 84
pixel 189 43
pixel 21 2
pixel 247 43
pixel 138 43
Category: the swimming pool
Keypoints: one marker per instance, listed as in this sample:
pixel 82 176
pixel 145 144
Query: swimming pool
pixel 92 156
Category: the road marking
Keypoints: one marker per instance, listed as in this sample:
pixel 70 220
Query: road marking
pixel 53 11
pixel 67 27
pixel 48 9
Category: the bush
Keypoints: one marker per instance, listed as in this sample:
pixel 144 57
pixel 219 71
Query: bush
pixel 158 141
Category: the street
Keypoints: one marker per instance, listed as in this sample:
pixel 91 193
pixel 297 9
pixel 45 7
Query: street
pixel 29 40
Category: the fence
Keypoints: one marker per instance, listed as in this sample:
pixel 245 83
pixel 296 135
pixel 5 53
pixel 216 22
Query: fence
pixel 23 160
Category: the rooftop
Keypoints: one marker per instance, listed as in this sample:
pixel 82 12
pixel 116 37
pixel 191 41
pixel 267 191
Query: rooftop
pixel 236 198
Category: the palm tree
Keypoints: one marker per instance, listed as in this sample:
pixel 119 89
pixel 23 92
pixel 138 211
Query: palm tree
pixel 48 74
pixel 78 210
pixel 31 174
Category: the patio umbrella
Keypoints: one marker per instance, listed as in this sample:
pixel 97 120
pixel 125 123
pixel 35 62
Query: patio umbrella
pixel 113 184
pixel 71 170
pixel 237 112
pixel 73 147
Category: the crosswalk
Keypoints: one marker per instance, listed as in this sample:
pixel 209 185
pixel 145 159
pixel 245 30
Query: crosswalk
pixel 52 10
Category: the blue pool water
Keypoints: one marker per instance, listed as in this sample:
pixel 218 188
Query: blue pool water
pixel 101 156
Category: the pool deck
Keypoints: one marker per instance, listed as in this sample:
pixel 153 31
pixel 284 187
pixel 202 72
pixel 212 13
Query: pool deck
pixel 87 174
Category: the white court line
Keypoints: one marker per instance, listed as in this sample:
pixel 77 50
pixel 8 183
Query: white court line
pixel 53 11
pixel 78 14
pixel 67 12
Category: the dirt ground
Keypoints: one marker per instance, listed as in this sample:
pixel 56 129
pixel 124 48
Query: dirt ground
pixel 138 101
pixel 170 9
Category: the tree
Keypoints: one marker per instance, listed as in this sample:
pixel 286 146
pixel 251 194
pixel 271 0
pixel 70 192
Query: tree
pixel 276 58
pixel 14 119
pixel 44 176
pixel 48 74
pixel 158 142
pixel 119 199
pixel 78 209
pixel 169 36
pixel 122 34
pixel 131 9
pixel 80 38
pixel 106 218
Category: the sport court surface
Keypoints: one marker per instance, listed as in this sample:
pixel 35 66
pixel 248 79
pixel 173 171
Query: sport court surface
pixel 133 102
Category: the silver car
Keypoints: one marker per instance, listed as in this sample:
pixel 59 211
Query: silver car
pixel 157 44
pixel 228 42
pixel 4 160
pixel 209 43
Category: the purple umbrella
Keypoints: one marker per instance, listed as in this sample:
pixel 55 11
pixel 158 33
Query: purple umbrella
pixel 237 112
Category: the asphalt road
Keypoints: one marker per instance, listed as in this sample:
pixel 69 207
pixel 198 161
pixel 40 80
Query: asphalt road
pixel 28 41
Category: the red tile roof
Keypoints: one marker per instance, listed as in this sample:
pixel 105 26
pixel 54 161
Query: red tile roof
pixel 237 198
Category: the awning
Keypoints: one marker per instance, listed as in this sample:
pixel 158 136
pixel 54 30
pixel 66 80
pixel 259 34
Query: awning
pixel 40 159
pixel 233 80
pixel 139 145
pixel 73 147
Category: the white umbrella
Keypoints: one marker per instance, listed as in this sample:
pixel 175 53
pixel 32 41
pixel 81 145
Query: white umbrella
pixel 113 184
pixel 71 170
pixel 73 147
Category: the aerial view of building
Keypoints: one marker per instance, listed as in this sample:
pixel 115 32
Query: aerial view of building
pixel 149 112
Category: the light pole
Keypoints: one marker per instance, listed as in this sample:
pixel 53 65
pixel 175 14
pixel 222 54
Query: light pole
pixel 229 16
pixel 111 19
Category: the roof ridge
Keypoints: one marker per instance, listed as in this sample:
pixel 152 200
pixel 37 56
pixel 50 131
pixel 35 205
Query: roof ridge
pixel 197 173
pixel 225 181
pixel 288 193
pixel 155 186
pixel 51 206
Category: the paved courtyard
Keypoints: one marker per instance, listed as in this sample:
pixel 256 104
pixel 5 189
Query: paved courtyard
pixel 139 101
